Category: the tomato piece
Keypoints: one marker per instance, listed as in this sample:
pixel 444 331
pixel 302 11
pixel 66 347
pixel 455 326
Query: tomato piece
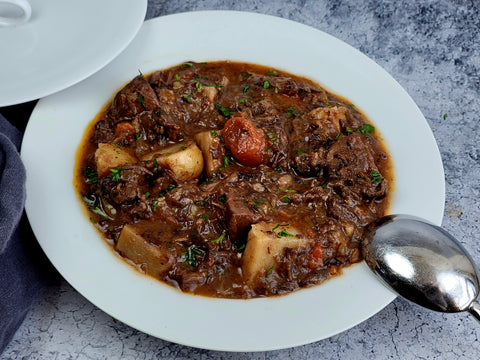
pixel 246 142
pixel 125 128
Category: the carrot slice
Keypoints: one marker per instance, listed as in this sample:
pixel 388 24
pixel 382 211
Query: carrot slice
pixel 246 142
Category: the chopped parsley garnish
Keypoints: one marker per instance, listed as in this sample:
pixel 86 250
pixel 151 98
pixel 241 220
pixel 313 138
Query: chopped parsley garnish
pixel 270 269
pixel 286 199
pixel 284 233
pixel 292 112
pixel 194 233
pixel 279 169
pixel 324 186
pixel 187 97
pixel 242 100
pixel 213 133
pixel 225 111
pixel 141 100
pixel 186 65
pixel 266 84
pixel 155 163
pixel 147 194
pixel 375 177
pixel 276 227
pixel 164 192
pixel 177 77
pixel 445 116
pixel 367 129
pixel 198 85
pixel 276 90
pixel 352 106
pixel 336 137
pixel 201 203
pixel 154 205
pixel 115 173
pixel 190 256
pixel 92 176
pixel 245 88
pixel 273 137
pixel 298 151
pixel 216 86
pixel 183 147
pixel 244 75
pixel 272 73
pixel 262 202
pixel 287 190
pixel 222 198
pixel 206 217
pixel 226 160
pixel 137 135
pixel 219 239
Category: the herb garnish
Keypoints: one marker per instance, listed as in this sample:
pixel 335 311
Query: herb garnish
pixel 287 190
pixel 213 133
pixel 286 199
pixel 190 256
pixel 375 177
pixel 292 112
pixel 225 111
pixel 164 192
pixel 187 97
pixel 273 137
pixel 222 198
pixel 186 65
pixel 367 129
pixel 284 233
pixel 219 239
pixel 115 173
pixel 266 84
pixel 245 88
pixel 92 176
pixel 141 100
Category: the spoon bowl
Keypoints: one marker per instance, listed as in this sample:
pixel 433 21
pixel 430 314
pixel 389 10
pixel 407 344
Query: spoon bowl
pixel 422 263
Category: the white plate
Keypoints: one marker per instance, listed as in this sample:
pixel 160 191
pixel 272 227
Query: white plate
pixel 63 43
pixel 78 252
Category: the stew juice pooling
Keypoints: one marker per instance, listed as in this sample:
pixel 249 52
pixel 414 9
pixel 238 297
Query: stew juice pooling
pixel 233 180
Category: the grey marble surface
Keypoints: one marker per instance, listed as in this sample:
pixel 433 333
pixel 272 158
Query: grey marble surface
pixel 432 48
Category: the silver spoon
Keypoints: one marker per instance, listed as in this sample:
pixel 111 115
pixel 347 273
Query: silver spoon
pixel 422 263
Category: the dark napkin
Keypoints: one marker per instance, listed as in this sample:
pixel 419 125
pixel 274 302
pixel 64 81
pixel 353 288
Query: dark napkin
pixel 24 269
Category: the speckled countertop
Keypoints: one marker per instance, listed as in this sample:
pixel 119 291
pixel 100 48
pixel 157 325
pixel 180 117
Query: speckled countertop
pixel 432 48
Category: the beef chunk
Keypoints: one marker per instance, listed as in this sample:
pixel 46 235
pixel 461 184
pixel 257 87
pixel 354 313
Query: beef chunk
pixel 240 216
pixel 351 161
pixel 136 97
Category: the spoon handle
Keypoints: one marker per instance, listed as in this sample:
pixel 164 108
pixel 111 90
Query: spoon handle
pixel 475 309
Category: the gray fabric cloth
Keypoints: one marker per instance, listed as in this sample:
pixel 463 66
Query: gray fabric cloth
pixel 24 269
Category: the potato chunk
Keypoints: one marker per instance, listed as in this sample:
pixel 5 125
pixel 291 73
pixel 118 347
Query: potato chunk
pixel 151 258
pixel 265 242
pixel 183 159
pixel 109 156
pixel 212 149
